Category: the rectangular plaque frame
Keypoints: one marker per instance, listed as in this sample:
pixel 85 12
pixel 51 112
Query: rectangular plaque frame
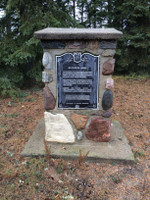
pixel 77 81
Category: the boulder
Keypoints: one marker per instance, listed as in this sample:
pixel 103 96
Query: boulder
pixel 58 128
pixel 108 67
pixel 49 99
pixel 98 130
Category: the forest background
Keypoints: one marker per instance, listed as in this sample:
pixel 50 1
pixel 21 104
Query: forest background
pixel 20 53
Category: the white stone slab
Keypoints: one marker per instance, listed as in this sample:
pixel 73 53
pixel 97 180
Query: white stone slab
pixel 58 129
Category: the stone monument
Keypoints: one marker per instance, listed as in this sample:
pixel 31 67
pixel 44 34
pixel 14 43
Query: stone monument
pixel 78 93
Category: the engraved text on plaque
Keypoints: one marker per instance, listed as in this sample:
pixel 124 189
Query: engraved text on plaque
pixel 77 81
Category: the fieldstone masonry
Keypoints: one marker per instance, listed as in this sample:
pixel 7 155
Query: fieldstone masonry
pixel 78 94
pixel 49 99
pixel 79 120
pixel 108 67
pixel 98 130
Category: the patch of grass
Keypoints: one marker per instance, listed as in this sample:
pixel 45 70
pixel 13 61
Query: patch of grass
pixel 139 154
pixel 25 99
pixel 9 174
pixel 10 154
pixel 35 89
pixel 2 126
pixel 22 99
pixel 133 76
pixel 114 163
pixel 137 161
pixel 31 99
pixel 2 129
pixel 136 76
pixel 1 164
pixel 33 173
pixel 117 178
pixel 61 166
pixel 13 115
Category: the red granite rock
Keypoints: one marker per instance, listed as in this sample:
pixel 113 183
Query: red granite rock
pixel 108 67
pixel 79 120
pixel 98 130
pixel 49 99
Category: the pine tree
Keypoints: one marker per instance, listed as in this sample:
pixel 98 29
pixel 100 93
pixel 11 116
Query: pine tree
pixel 92 11
pixel 81 7
pixel 133 18
pixel 20 53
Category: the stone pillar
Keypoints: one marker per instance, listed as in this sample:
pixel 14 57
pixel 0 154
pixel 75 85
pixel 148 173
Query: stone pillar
pixel 78 94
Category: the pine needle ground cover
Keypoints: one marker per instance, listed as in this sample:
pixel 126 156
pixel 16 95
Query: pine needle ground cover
pixel 44 178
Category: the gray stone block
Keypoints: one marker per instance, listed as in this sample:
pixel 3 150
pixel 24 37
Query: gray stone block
pixel 46 77
pixel 107 100
pixel 46 44
pixel 108 44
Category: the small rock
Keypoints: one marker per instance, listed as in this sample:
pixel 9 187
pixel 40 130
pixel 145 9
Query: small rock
pixel 49 99
pixel 107 114
pixel 79 120
pixel 47 60
pixel 109 84
pixel 105 44
pixel 76 45
pixel 108 67
pixel 69 197
pixel 60 181
pixel 46 77
pixel 79 135
pixel 108 52
pixel 98 130
pixel 24 163
pixel 48 44
pixel 22 182
pixel 93 45
pixel 107 100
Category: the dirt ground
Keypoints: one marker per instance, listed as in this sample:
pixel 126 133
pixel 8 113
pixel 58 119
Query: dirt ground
pixel 45 178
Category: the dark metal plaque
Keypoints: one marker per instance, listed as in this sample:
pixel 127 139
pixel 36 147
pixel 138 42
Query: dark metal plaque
pixel 77 81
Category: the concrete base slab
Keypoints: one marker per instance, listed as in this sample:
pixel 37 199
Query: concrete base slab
pixel 115 150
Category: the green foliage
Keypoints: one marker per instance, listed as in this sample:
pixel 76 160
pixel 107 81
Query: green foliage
pixel 139 154
pixel 117 178
pixel 91 13
pixel 7 89
pixel 13 115
pixel 133 19
pixel 21 53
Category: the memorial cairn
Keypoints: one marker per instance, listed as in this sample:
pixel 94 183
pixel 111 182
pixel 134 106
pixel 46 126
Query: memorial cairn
pixel 78 93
